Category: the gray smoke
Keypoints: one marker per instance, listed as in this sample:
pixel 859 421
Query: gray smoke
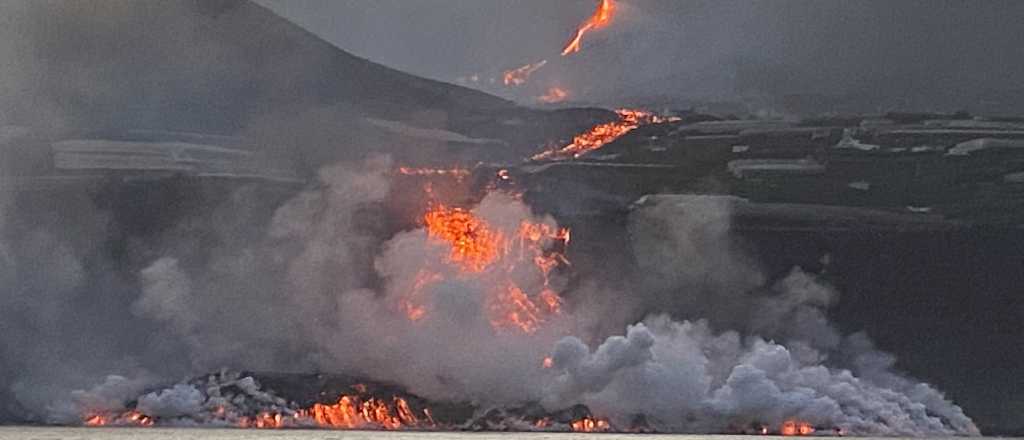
pixel 177 401
pixel 166 297
pixel 317 286
pixel 784 361
pixel 107 396
pixel 453 352
pixel 740 351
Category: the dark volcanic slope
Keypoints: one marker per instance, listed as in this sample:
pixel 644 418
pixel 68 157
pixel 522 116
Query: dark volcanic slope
pixel 208 66
pixel 233 67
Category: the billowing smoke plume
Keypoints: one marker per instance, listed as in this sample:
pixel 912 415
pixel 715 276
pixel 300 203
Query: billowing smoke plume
pixel 330 298
pixel 784 362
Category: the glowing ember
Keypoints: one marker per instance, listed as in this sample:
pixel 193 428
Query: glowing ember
pixel 474 246
pixel 603 134
pixel 352 412
pixel 519 75
pixel 264 420
pixel 129 418
pixel 477 248
pixel 514 309
pixel 794 427
pixel 96 421
pixel 358 411
pixel 590 424
pixel 137 418
pixel 553 96
pixel 602 17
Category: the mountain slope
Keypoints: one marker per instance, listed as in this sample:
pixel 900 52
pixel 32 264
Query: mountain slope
pixel 211 66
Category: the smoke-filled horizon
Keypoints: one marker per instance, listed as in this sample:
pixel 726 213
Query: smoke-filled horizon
pixel 720 345
pixel 918 54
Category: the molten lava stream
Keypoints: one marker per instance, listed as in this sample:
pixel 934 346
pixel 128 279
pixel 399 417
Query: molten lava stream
pixel 350 412
pixel 602 17
pixel 519 75
pixel 603 134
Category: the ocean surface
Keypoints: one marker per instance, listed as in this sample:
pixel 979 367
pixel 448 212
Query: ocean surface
pixel 33 433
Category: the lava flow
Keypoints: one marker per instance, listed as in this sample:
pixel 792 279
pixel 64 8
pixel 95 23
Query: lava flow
pixel 479 249
pixel 350 412
pixel 519 75
pixel 590 424
pixel 602 17
pixel 129 418
pixel 554 95
pixel 794 427
pixel 603 134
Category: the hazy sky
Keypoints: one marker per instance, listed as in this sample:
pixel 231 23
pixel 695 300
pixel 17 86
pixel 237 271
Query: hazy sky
pixel 690 46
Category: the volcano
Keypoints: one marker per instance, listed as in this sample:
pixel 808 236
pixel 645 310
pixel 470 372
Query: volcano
pixel 234 68
pixel 202 186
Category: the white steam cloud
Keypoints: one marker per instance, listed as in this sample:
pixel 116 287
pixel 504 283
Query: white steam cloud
pixel 722 348
pixel 783 364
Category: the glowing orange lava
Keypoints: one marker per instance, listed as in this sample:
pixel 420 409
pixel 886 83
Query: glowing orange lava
pixel 479 249
pixel 128 418
pixel 602 17
pixel 474 245
pixel 795 427
pixel 603 134
pixel 352 412
pixel 590 424
pixel 349 412
pixel 96 421
pixel 519 75
pixel 554 95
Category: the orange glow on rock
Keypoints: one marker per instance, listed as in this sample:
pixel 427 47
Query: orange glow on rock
pixel 590 424
pixel 96 420
pixel 796 427
pixel 128 418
